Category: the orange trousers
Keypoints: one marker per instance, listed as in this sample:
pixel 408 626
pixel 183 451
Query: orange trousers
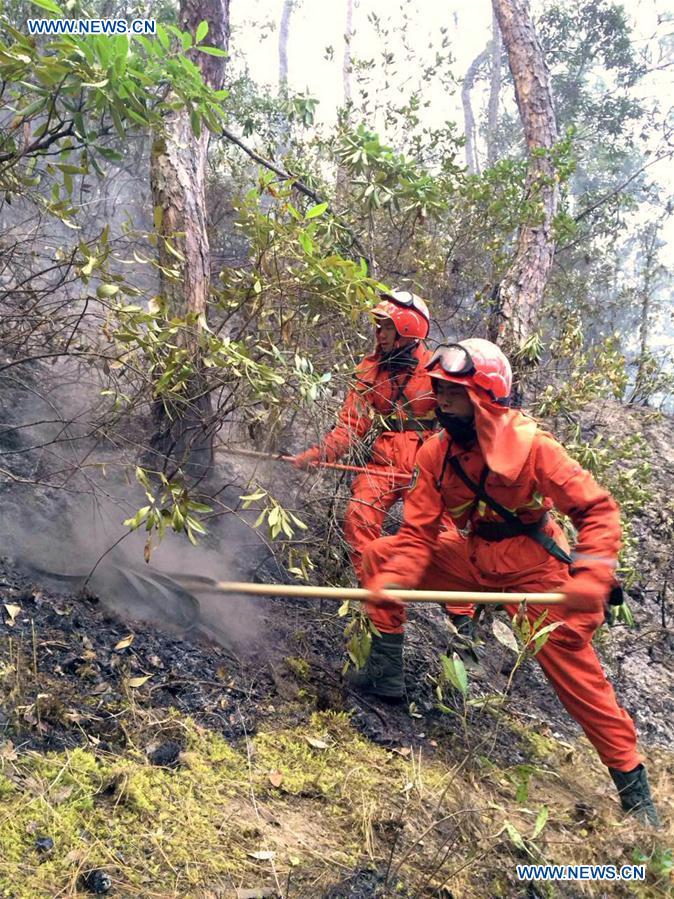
pixel 567 658
pixel 371 498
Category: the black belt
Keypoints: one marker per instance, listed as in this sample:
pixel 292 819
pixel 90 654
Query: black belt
pixel 494 531
pixel 409 424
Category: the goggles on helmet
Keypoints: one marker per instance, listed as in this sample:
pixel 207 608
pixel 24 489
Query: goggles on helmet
pixel 453 359
pixel 408 300
pixel 456 361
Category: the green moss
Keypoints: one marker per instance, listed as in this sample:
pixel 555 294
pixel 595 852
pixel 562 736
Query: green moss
pixel 541 747
pixel 340 765
pixel 299 667
pixel 192 829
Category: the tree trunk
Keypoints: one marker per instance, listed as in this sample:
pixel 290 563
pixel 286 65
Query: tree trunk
pixel 522 288
pixel 469 120
pixel 494 92
pixel 650 246
pixel 346 60
pixel 177 178
pixel 284 30
pixel 283 35
pixel 342 182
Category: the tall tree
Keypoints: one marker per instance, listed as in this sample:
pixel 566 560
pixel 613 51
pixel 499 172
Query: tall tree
pixel 342 181
pixel 522 288
pixel 468 117
pixel 654 276
pixel 177 178
pixel 494 91
pixel 347 58
pixel 283 34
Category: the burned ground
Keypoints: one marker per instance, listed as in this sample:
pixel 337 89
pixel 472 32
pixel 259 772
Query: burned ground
pixel 180 765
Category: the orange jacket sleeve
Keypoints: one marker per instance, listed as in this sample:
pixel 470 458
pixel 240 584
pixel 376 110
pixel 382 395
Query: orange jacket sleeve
pixel 354 421
pixel 591 508
pixel 413 545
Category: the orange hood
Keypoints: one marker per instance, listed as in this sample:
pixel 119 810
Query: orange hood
pixel 505 435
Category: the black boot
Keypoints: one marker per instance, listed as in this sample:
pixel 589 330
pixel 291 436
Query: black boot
pixel 382 674
pixel 463 642
pixel 635 795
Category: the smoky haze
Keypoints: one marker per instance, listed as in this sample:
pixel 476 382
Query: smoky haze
pixel 66 493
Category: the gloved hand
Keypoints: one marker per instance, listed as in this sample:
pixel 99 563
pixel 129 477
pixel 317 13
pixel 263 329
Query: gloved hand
pixel 378 586
pixel 307 459
pixel 585 592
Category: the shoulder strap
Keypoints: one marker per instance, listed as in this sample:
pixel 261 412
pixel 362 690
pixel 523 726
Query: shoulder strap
pixel 534 531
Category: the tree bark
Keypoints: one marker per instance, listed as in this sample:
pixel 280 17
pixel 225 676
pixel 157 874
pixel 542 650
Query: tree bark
pixel 650 244
pixel 468 118
pixel 283 35
pixel 342 181
pixel 284 31
pixel 494 91
pixel 522 288
pixel 177 178
pixel 346 59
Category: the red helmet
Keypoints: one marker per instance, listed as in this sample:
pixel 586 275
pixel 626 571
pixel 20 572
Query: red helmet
pixel 407 311
pixel 473 361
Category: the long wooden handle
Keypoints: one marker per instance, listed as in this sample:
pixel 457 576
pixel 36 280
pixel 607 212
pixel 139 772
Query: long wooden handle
pixel 377 471
pixel 204 585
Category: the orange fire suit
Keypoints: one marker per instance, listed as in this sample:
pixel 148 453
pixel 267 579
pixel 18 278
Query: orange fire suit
pixel 424 555
pixel 404 405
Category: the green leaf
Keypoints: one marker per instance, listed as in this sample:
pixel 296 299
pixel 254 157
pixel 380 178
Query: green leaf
pixel 137 519
pixel 202 31
pixel 106 290
pixel 541 821
pixel 71 169
pixel 164 39
pixel 315 211
pixel 50 6
pixel 306 243
pixel 213 51
pixel 515 835
pixel 455 672
pixel 195 122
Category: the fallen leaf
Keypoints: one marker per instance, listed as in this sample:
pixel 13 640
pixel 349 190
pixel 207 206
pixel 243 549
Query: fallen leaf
pixel 504 635
pixel 7 751
pixel 125 641
pixel 61 795
pixel 404 752
pixel 316 743
pixel 276 778
pixel 138 681
pixel 12 611
pixel 265 855
pixel 100 688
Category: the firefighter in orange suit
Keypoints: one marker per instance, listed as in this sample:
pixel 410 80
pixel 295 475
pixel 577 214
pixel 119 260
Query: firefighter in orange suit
pixel 498 475
pixel 391 390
